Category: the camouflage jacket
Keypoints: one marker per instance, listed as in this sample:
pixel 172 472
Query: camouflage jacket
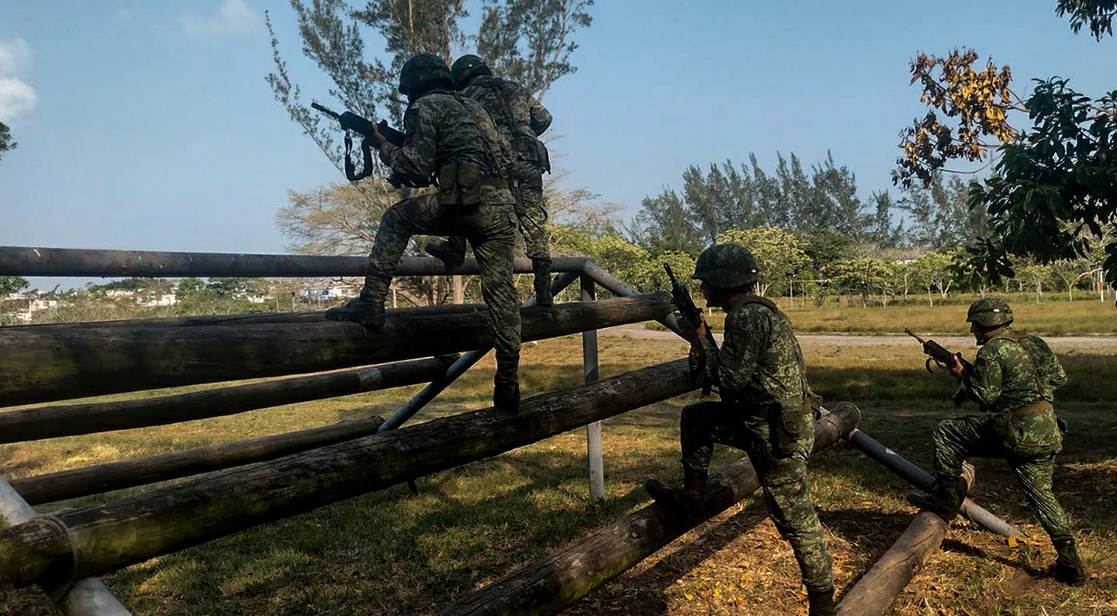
pixel 514 110
pixel 760 360
pixel 442 128
pixel 1013 370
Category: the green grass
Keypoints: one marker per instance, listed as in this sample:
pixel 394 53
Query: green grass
pixel 392 553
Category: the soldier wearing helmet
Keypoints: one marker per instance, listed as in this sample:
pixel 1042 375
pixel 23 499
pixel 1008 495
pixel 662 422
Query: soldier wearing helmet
pixel 521 119
pixel 1013 379
pixel 765 410
pixel 451 143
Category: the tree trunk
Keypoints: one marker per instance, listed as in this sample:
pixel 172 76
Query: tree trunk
pixel 43 362
pixel 98 539
pixel 551 585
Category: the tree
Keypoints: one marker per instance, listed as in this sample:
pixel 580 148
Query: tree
pixel 527 41
pixel 863 276
pixel 6 142
pixel 778 252
pixel 935 272
pixel 1052 189
pixel 12 284
pixel 1097 14
pixel 664 225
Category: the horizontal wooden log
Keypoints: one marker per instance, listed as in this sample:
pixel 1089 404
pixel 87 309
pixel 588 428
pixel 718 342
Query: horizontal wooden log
pixel 95 540
pixel 40 363
pixel 878 588
pixel 34 423
pixel 39 261
pixel 100 478
pixel 922 480
pixel 551 585
pixel 86 597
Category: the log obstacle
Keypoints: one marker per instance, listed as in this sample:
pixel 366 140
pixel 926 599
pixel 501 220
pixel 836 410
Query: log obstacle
pixel 922 480
pixel 40 363
pixel 554 583
pixel 98 539
pixel 85 597
pixel 878 588
pixel 35 423
pixel 39 261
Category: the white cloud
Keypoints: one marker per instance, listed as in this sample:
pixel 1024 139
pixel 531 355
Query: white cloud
pixel 16 96
pixel 232 17
pixel 15 57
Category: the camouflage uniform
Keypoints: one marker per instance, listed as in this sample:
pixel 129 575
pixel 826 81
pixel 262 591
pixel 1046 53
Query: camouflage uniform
pixel 1014 378
pixel 440 131
pixel 520 119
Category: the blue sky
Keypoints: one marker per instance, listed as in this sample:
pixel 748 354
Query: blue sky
pixel 148 125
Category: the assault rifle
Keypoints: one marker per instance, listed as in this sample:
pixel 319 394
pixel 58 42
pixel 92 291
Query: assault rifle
pixel 680 297
pixel 944 359
pixel 362 126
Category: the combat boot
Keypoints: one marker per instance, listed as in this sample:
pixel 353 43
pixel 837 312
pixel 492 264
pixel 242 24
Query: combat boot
pixel 541 270
pixel 452 254
pixel 945 498
pixel 688 501
pixel 1068 567
pixel 506 383
pixel 821 603
pixel 364 309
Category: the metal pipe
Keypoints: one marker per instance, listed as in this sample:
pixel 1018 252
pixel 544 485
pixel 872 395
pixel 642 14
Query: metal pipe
pixel 590 375
pixel 617 287
pixel 37 261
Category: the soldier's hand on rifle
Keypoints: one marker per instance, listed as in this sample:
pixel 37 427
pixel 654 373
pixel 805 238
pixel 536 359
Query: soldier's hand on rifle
pixel 956 369
pixel 692 331
pixel 377 137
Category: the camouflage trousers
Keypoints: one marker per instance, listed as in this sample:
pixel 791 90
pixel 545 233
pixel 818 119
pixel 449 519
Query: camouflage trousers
pixel 1030 456
pixel 527 188
pixel 783 478
pixel 490 229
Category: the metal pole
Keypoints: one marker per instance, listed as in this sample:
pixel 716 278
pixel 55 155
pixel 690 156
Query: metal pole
pixel 458 368
pixel 88 596
pixel 590 373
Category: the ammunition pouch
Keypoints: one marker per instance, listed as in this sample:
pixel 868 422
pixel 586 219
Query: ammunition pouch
pixel 459 184
pixel 1030 431
pixel 785 422
pixel 530 149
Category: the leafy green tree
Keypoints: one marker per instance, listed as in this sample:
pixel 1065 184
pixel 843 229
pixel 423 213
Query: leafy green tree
pixel 12 284
pixel 936 272
pixel 664 225
pixel 881 232
pixel 864 277
pixel 6 142
pixel 1097 14
pixel 778 252
pixel 1051 191
pixel 833 202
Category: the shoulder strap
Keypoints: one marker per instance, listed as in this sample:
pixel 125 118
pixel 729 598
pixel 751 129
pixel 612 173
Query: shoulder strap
pixel 491 149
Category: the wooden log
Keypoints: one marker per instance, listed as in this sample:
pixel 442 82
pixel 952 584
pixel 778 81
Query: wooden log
pixel 554 583
pixel 94 540
pixel 922 480
pixel 34 423
pixel 39 363
pixel 879 587
pixel 51 487
pixel 39 261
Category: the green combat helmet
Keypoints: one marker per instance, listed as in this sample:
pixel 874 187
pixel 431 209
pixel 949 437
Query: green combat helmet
pixel 726 266
pixel 466 68
pixel 424 72
pixel 989 312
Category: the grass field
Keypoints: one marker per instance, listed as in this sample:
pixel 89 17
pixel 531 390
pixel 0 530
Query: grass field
pixel 392 553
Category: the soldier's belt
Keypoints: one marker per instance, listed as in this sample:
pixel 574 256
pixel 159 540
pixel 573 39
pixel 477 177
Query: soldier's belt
pixel 1035 408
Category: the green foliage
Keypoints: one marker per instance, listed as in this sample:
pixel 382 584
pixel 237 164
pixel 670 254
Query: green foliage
pixel 6 142
pixel 1052 192
pixel 1097 14
pixel 864 277
pixel 12 284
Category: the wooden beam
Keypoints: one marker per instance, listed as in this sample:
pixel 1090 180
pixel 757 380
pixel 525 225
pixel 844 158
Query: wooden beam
pixel 40 363
pixel 98 539
pixel 41 422
pixel 551 585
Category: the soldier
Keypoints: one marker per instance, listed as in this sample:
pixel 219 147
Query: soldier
pixel 765 409
pixel 521 119
pixel 451 138
pixel 1013 379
